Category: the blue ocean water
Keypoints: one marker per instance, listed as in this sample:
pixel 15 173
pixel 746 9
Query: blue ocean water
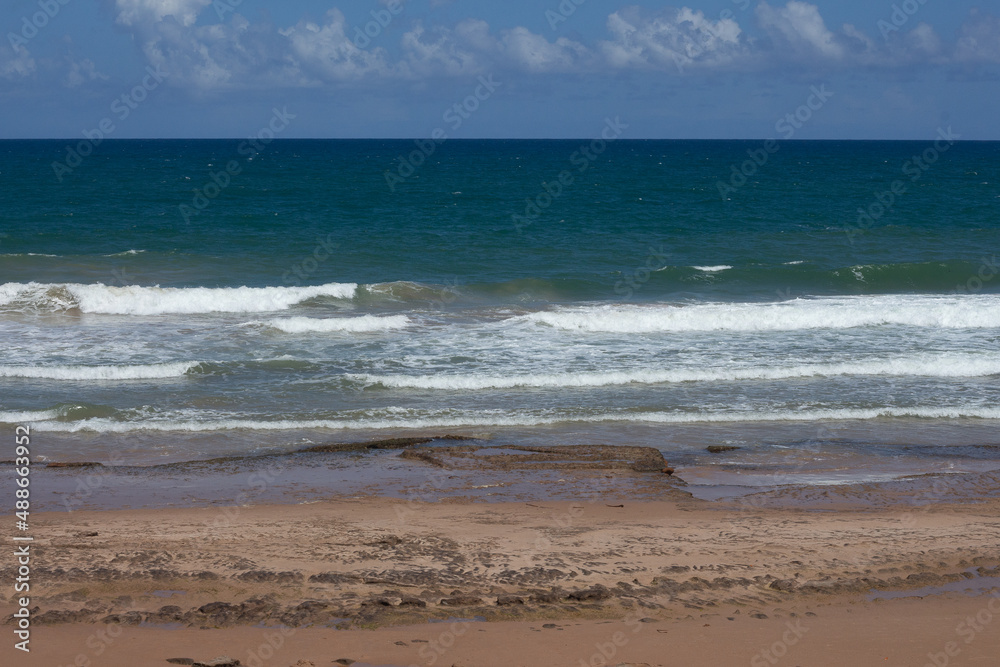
pixel 188 298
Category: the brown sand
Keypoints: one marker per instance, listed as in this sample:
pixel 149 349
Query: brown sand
pixel 713 584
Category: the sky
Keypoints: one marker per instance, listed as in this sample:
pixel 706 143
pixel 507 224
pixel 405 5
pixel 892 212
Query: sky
pixel 706 69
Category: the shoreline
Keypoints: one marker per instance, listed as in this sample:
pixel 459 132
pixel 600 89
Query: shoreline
pixel 383 566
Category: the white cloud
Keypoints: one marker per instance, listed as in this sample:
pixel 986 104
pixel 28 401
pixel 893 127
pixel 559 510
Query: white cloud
pixel 979 39
pixel 534 53
pixel 184 38
pixel 674 40
pixel 135 12
pixel 471 49
pixel 81 72
pixel 799 26
pixel 445 52
pixel 328 53
pixel 16 63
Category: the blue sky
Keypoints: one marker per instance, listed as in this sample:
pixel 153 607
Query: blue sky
pixel 897 69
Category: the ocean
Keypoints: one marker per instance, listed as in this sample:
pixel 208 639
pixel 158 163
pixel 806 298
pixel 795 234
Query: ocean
pixel 172 300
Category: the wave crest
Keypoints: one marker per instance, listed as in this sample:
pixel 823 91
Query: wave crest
pixel 363 323
pixel 971 312
pixel 937 366
pixel 135 300
pixel 107 373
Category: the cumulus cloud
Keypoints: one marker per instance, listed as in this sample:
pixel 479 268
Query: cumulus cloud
pixel 81 72
pixel 203 50
pixel 672 40
pixel 472 48
pixel 138 12
pixel 448 52
pixel 15 62
pixel 979 39
pixel 534 53
pixel 328 53
pixel 798 28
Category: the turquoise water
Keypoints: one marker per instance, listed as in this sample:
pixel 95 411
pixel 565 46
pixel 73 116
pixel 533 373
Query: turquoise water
pixel 509 287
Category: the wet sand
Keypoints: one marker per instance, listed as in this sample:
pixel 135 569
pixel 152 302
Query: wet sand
pixel 539 583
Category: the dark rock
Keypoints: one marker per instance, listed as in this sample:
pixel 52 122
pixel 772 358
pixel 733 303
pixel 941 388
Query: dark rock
pixel 215 607
pixel 345 661
pixel 167 614
pixel 310 611
pixel 419 455
pixel 128 618
pixel 547 597
pixel 460 601
pixel 333 578
pixel 54 616
pixel 504 600
pixel 180 661
pixel 718 449
pixel 252 611
pixel 412 602
pixel 386 542
pixel 595 593
pixel 388 443
pixel 264 576
pixel 785 585
pixel 221 661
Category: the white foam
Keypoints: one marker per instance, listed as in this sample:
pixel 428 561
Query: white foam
pixel 500 419
pixel 363 323
pixel 928 366
pixel 28 416
pixel 124 372
pixel 713 269
pixel 981 311
pixel 135 300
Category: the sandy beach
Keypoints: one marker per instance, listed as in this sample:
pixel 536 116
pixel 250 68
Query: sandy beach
pixel 393 582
